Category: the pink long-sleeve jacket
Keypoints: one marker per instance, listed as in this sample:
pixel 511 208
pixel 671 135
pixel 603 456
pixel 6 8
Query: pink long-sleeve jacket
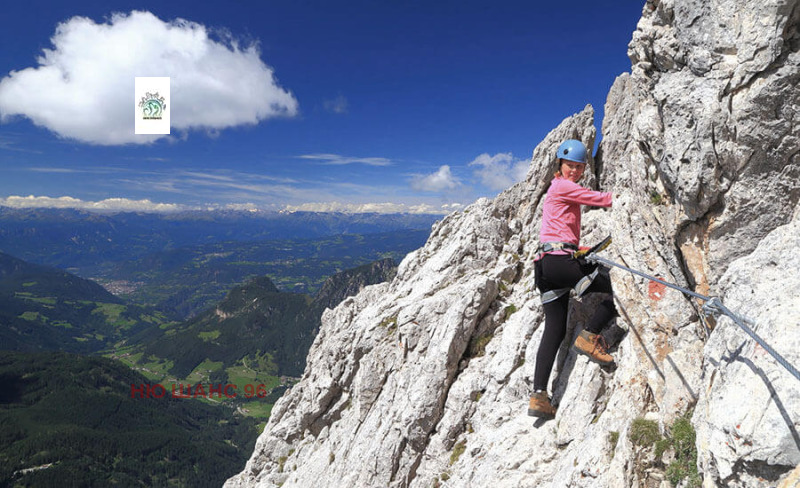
pixel 561 213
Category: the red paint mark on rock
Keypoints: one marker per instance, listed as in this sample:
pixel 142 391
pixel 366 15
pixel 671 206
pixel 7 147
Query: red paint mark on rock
pixel 656 290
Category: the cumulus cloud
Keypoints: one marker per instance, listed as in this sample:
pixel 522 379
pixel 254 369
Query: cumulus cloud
pixel 336 159
pixel 239 207
pixel 384 208
pixel 148 206
pixel 83 88
pixel 500 171
pixel 128 205
pixel 440 181
pixel 109 204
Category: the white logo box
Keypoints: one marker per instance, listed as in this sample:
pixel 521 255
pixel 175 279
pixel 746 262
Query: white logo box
pixel 152 105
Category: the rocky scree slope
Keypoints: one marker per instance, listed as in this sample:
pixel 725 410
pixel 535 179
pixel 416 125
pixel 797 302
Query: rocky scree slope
pixel 424 381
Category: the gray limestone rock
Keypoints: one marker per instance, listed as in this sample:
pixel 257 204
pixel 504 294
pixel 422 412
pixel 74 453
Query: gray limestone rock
pixel 749 417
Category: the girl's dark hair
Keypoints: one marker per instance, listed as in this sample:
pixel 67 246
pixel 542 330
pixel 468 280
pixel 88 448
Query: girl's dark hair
pixel 558 174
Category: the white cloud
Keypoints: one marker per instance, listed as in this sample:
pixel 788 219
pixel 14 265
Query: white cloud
pixel 385 208
pixel 441 181
pixel 500 171
pixel 109 204
pixel 56 170
pixel 336 159
pixel 82 88
pixel 452 207
pixel 238 207
pixel 128 205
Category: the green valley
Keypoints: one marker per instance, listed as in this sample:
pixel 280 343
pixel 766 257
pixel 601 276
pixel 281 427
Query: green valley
pixel 185 281
pixel 44 308
pixel 256 338
pixel 71 418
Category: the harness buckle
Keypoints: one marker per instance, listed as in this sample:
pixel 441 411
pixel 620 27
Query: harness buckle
pixel 546 247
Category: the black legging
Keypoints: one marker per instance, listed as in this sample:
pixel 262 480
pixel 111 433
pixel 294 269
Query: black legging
pixel 555 271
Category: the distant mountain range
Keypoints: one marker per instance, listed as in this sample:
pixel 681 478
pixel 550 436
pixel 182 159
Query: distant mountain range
pixel 183 282
pixel 182 263
pixel 88 243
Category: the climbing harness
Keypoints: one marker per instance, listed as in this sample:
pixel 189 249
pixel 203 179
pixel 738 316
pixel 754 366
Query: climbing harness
pixel 712 306
pixel 583 285
pixel 553 295
pixel 546 247
pixel 585 282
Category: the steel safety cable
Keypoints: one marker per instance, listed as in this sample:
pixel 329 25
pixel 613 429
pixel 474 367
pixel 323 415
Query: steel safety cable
pixel 713 306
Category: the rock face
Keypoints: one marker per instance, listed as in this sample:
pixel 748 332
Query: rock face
pixel 424 381
pixel 751 405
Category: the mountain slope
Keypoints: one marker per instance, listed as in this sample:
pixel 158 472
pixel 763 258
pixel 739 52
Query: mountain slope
pixel 119 439
pixel 88 244
pixel 350 282
pixel 426 379
pixel 254 319
pixel 259 322
pixel 188 280
pixel 45 308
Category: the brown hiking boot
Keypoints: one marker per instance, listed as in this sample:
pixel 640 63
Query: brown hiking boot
pixel 540 406
pixel 594 347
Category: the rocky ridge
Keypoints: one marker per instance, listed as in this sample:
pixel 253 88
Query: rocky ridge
pixel 424 381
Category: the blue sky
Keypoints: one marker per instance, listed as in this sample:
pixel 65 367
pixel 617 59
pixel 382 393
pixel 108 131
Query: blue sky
pixel 316 104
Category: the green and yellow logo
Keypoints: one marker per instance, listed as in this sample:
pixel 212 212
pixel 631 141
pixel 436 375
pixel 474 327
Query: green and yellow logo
pixel 152 106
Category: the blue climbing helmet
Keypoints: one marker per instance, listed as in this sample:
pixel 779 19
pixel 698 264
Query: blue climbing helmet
pixel 572 150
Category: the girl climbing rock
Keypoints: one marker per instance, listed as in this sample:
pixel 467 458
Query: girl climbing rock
pixel 558 272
